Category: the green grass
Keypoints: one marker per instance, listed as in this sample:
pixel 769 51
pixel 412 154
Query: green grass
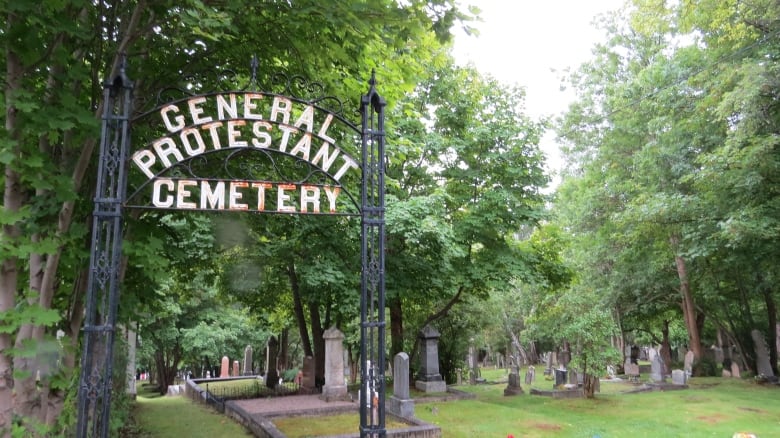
pixel 711 407
pixel 157 416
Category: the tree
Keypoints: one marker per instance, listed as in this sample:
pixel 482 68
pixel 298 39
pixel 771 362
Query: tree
pixel 56 57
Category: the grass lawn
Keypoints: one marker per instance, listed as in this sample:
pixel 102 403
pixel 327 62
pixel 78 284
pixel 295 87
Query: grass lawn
pixel 157 416
pixel 711 407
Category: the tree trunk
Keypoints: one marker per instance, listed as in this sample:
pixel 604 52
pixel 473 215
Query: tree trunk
pixel 590 385
pixel 771 312
pixel 688 305
pixel 319 343
pixel 300 316
pixel 396 326
pixel 666 348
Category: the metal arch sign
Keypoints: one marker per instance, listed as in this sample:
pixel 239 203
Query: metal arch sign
pixel 214 152
pixel 211 152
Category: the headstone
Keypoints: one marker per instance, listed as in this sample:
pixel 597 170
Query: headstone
pixel 657 369
pixel 718 354
pixel 646 353
pixel 725 373
pixel 763 366
pixel 335 388
pixel 681 351
pixel 574 378
pixel 560 378
pixel 224 370
pixel 308 384
pixel 678 377
pixel 530 375
pixel 688 363
pixel 611 371
pixel 565 356
pixel 735 370
pixel 400 403
pixel 513 385
pixel 428 378
pixel 634 354
pixel 235 368
pixel 271 356
pixel 651 354
pixel 459 372
pixel 472 363
pixel 548 364
pixel 248 360
pixel 554 358
pixel 631 370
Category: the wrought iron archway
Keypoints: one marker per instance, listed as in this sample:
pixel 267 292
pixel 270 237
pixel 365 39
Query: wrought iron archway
pixel 103 288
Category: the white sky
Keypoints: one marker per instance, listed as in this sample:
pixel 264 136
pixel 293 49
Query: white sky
pixel 530 43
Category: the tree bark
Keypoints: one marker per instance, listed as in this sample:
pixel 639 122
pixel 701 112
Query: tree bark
pixel 771 312
pixel 688 305
pixel 396 326
pixel 12 203
pixel 300 316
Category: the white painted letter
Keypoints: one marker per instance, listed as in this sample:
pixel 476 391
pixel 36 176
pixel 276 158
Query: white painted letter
pixel 156 201
pixel 182 194
pixel 261 135
pixel 281 106
pixel 223 106
pixel 179 119
pixel 261 194
pixel 185 141
pixel 310 195
pixel 212 199
pixel 196 111
pixel 250 105
pixel 163 152
pixel 144 159
pixel 332 193
pixel 236 196
pixel 233 134
pixel 281 197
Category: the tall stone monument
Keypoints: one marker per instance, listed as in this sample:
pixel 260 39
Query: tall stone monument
pixel 224 370
pixel 271 356
pixel 429 379
pixel 400 403
pixel 335 388
pixel 248 371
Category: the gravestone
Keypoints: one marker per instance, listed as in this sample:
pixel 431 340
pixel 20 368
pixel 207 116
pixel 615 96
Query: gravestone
pixel 688 363
pixel 646 353
pixel 565 357
pixel 248 371
pixel 735 370
pixel 678 377
pixel 271 356
pixel 681 351
pixel 718 354
pixel 334 388
pixel 725 373
pixel 400 403
pixel 308 384
pixel 224 370
pixel 763 366
pixel 548 364
pixel 530 375
pixel 513 385
pixel 574 377
pixel 651 354
pixel 657 369
pixel 235 368
pixel 560 377
pixel 472 363
pixel 554 358
pixel 631 370
pixel 428 378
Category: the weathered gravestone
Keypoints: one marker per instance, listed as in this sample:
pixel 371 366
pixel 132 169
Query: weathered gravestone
pixel 248 371
pixel 763 366
pixel 688 363
pixel 657 369
pixel 308 383
pixel 235 368
pixel 400 403
pixel 334 388
pixel 224 370
pixel 530 375
pixel 718 354
pixel 271 357
pixel 428 378
pixel 735 370
pixel 678 377
pixel 650 354
pixel 513 385
pixel 548 364
pixel 631 370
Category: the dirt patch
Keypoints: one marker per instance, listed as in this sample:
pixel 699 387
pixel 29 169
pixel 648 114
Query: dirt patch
pixel 545 426
pixel 711 419
pixel 760 411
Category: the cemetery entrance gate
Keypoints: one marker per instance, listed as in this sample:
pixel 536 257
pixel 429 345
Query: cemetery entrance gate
pixel 213 151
